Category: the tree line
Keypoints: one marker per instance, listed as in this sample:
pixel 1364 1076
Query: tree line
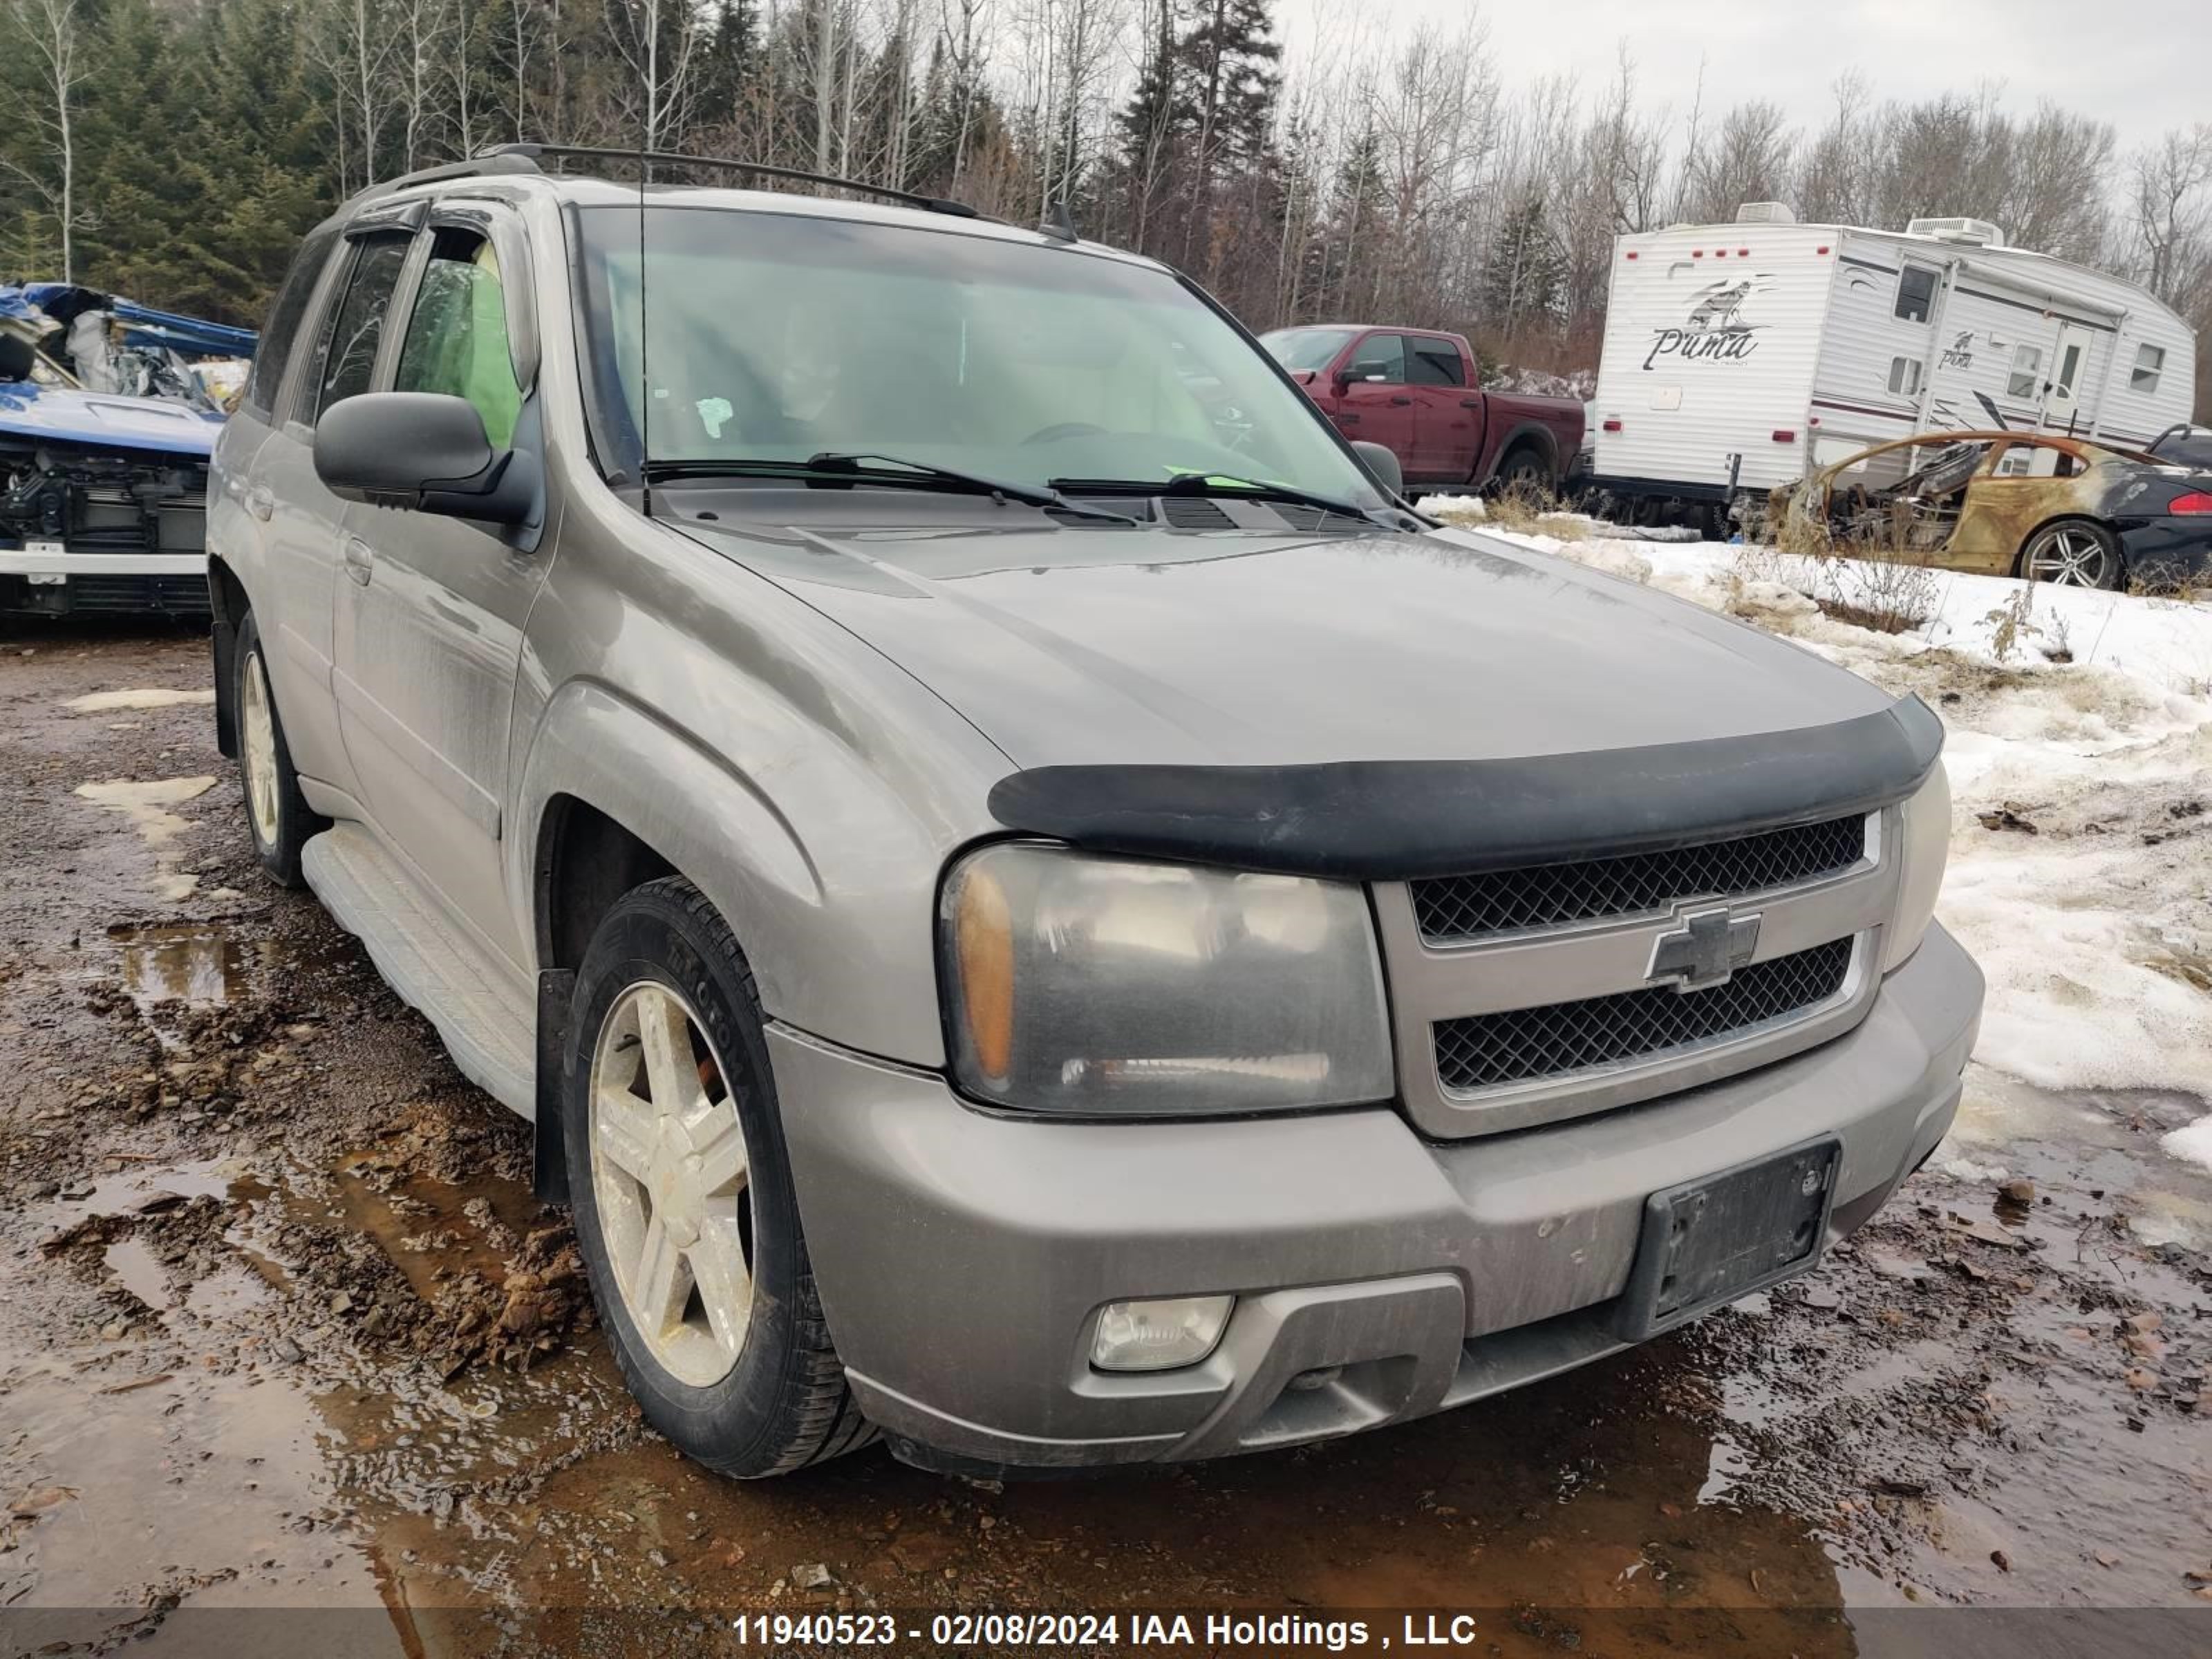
pixel 175 153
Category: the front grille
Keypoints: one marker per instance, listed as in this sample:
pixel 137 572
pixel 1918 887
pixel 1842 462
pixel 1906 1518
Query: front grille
pixel 1524 1045
pixel 1451 909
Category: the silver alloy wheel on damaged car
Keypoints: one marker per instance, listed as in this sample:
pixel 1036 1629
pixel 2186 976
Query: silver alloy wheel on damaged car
pixel 258 746
pixel 668 1174
pixel 2072 555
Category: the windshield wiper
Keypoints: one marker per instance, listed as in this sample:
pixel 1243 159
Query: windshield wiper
pixel 836 467
pixel 1225 484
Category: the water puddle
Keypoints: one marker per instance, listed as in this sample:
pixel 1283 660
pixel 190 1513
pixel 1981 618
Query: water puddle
pixel 429 1229
pixel 133 1267
pixel 195 962
pixel 126 1191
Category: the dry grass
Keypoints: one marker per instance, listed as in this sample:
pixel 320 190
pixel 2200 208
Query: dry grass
pixel 1533 510
pixel 1879 577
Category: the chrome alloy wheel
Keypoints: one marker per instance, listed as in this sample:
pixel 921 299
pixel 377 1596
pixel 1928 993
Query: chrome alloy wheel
pixel 668 1174
pixel 2071 555
pixel 257 735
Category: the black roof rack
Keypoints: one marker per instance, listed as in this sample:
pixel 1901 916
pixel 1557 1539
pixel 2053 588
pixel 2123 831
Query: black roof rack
pixel 512 158
pixel 491 162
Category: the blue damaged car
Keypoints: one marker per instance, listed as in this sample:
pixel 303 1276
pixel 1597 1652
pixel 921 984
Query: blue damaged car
pixel 109 411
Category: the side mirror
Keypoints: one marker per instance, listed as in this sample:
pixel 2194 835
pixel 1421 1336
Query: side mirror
pixel 1383 463
pixel 427 452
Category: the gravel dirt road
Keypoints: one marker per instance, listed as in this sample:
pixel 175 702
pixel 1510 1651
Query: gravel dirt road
pixel 280 1326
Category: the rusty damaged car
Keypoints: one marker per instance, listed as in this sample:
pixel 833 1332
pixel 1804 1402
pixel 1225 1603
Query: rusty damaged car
pixel 2036 505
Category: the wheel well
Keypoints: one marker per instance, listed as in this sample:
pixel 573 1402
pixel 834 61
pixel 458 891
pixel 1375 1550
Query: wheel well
pixel 2119 547
pixel 1532 440
pixel 227 597
pixel 586 861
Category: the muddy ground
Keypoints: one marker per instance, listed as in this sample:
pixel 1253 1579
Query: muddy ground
pixel 281 1327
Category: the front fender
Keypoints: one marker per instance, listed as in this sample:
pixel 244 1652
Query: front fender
pixel 835 914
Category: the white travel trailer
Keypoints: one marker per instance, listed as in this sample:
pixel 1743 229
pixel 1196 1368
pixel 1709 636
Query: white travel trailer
pixel 1737 356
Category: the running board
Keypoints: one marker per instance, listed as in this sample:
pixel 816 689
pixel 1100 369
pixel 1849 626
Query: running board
pixel 486 1018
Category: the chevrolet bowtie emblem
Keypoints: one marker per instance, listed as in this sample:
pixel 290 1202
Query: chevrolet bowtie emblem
pixel 1704 951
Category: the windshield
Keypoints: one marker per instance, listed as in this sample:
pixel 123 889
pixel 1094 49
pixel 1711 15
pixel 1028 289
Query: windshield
pixel 1307 350
pixel 781 337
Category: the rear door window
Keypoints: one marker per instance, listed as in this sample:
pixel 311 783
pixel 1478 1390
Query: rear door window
pixel 1434 362
pixel 348 358
pixel 278 334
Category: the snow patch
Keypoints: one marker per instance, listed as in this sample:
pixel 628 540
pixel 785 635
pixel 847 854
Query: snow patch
pixel 146 806
pixel 100 702
pixel 2193 1143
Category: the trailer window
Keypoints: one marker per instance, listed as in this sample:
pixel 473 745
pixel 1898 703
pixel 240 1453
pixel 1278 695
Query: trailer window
pixel 1905 376
pixel 1916 293
pixel 2027 368
pixel 2150 360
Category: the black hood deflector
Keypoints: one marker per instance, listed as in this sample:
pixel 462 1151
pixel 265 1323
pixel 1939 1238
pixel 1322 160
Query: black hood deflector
pixel 1399 820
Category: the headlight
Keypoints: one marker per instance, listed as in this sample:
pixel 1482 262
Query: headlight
pixel 1926 835
pixel 1082 984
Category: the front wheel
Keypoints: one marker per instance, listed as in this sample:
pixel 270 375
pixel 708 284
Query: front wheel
pixel 277 814
pixel 685 1210
pixel 2074 554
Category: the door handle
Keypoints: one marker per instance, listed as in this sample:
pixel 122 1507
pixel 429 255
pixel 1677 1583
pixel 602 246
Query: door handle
pixel 1401 403
pixel 261 501
pixel 1470 403
pixel 360 561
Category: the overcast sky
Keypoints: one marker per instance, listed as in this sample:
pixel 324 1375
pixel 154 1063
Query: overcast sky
pixel 2103 60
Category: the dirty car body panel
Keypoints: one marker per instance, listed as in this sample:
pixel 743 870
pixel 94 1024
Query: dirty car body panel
pixel 828 704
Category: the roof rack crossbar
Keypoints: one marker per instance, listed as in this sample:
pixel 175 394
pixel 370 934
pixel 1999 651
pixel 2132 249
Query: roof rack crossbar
pixel 533 154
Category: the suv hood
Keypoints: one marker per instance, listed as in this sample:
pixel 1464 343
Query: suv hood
pixel 1151 646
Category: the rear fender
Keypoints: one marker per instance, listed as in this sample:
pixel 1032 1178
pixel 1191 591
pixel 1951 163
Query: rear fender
pixel 1524 433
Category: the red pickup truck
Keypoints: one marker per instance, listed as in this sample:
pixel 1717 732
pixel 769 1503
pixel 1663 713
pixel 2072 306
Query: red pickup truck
pixel 1418 393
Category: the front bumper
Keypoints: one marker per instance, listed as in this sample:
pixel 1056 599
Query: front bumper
pixel 962 1256
pixel 46 583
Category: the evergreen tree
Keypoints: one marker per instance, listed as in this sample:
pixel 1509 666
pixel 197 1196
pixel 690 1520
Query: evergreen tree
pixel 1524 276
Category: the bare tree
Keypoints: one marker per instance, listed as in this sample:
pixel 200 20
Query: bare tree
pixel 50 31
pixel 658 42
pixel 2170 204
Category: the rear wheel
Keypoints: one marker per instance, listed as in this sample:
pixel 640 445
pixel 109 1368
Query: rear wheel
pixel 2074 553
pixel 277 814
pixel 685 1210
pixel 1523 472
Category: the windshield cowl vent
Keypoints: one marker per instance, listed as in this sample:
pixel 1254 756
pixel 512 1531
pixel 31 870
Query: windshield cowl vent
pixel 1196 512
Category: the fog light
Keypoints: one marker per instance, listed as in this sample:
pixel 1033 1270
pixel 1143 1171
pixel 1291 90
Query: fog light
pixel 1160 1334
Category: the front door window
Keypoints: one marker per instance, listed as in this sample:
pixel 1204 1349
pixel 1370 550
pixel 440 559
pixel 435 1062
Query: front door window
pixel 457 339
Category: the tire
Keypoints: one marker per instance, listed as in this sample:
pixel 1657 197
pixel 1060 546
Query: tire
pixel 1523 471
pixel 2073 553
pixel 759 1390
pixel 277 814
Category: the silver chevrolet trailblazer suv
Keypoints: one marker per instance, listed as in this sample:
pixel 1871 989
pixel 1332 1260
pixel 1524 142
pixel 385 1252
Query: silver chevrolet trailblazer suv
pixel 1037 909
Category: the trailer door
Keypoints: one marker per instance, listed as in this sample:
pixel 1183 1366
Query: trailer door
pixel 2069 373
